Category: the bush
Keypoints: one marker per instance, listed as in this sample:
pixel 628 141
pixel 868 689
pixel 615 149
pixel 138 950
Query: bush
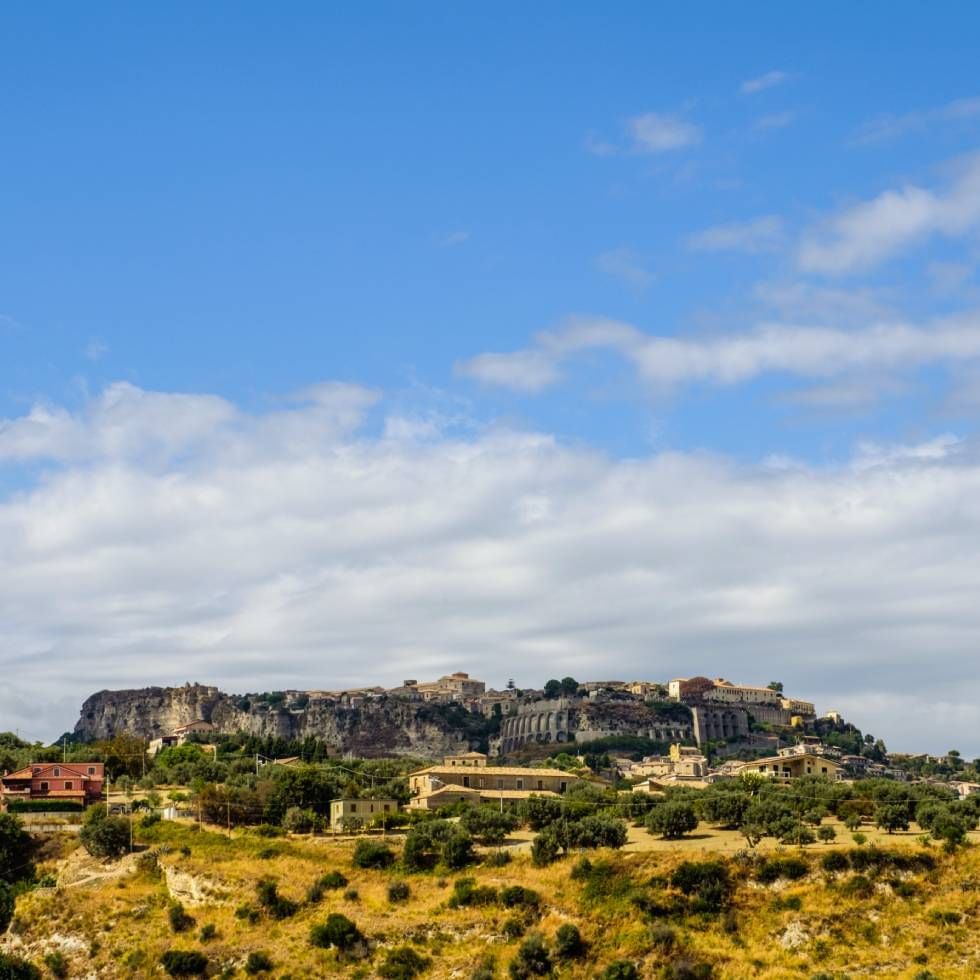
pixel 57 964
pixel 688 970
pixel 774 868
pixel 497 859
pixel 272 902
pixel 532 960
pixel 331 881
pixel 621 970
pixel 183 963
pixel 569 944
pixel 858 887
pixel 257 963
pixel 706 883
pixel 338 932
pixel 207 933
pixel 835 861
pixel 107 837
pixel 488 825
pixel 672 820
pixel 545 848
pixel 403 963
pixel 179 920
pixel 373 854
pixel 7 903
pixel 826 833
pixel 14 968
pixel 517 895
pixel 398 891
pixel 466 892
pixel 514 927
pixel 299 821
pixel 662 937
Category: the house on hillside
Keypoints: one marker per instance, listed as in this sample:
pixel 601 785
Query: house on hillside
pixel 793 766
pixel 76 782
pixel 345 813
pixel 467 777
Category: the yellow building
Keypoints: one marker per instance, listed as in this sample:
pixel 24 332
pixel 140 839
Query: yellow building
pixel 787 767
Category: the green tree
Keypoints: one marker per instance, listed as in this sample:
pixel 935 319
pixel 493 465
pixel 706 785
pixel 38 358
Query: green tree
pixel 552 689
pixel 104 836
pixel 488 825
pixel 569 686
pixel 532 959
pixel 338 932
pixel 16 849
pixel 892 817
pixel 672 820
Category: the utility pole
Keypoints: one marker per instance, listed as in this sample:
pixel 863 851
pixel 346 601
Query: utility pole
pixel 130 828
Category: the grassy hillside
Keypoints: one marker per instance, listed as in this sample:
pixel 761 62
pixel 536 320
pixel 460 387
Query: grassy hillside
pixel 905 911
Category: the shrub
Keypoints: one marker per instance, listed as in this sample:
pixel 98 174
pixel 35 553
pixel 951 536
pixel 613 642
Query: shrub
pixel 532 959
pixel 774 868
pixel 105 837
pixel 272 902
pixel 581 869
pixel 57 964
pixel 598 830
pixel 826 833
pixel 403 963
pixel 672 820
pixel 331 881
pixel 338 932
pixel 183 962
pixel 7 903
pixel 497 859
pixel 351 895
pixel 373 854
pixel 517 895
pixel 486 969
pixel 296 820
pixel 466 892
pixel 179 920
pixel 545 848
pixel 706 883
pixel 149 820
pixel 621 970
pixel 834 861
pixel 799 835
pixel 514 927
pixel 858 886
pixel 569 944
pixel 207 933
pixel 257 963
pixel 14 968
pixel 398 891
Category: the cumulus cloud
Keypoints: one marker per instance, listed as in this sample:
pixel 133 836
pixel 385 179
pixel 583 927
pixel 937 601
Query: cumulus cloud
pixel 863 236
pixel 769 80
pixel 806 351
pixel 335 557
pixel 758 235
pixel 654 132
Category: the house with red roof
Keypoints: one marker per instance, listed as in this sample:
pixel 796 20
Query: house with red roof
pixel 81 782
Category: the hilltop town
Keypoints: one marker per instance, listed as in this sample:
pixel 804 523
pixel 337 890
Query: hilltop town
pixel 606 829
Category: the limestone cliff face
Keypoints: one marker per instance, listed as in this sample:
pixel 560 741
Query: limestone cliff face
pixel 369 727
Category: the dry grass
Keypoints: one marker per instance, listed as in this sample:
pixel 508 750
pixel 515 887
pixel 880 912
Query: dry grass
pixel 119 927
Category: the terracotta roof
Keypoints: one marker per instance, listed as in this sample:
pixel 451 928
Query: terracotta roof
pixel 73 769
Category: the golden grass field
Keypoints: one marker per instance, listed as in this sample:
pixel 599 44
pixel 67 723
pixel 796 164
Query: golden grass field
pixel 110 920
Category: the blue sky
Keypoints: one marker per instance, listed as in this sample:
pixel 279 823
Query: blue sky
pixel 743 238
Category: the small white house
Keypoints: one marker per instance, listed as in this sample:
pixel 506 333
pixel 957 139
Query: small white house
pixel 345 812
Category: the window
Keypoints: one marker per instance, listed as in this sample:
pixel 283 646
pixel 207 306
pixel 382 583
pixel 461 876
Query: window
pixel 520 784
pixel 91 770
pixel 387 807
pixel 562 786
pixel 56 773
pixel 540 784
pixel 353 808
pixel 44 787
pixel 500 784
pixel 69 784
pixel 466 781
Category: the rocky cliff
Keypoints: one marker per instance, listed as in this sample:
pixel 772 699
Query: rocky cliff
pixel 368 727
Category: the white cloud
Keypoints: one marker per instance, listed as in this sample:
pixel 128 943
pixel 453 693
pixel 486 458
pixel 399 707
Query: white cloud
pixel 805 351
pixel 654 132
pixel 758 235
pixel 96 349
pixel 867 234
pixel 599 147
pixel 769 80
pixel 626 265
pixel 332 557
pixel 452 239
pixel 891 127
pixel 528 370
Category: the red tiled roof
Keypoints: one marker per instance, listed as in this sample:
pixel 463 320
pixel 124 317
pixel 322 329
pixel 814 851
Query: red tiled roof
pixel 74 769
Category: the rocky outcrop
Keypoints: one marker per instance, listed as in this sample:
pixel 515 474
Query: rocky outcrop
pixel 374 726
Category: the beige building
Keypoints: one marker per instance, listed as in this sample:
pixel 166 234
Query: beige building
pixel 345 812
pixel 458 686
pixel 787 767
pixel 486 783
